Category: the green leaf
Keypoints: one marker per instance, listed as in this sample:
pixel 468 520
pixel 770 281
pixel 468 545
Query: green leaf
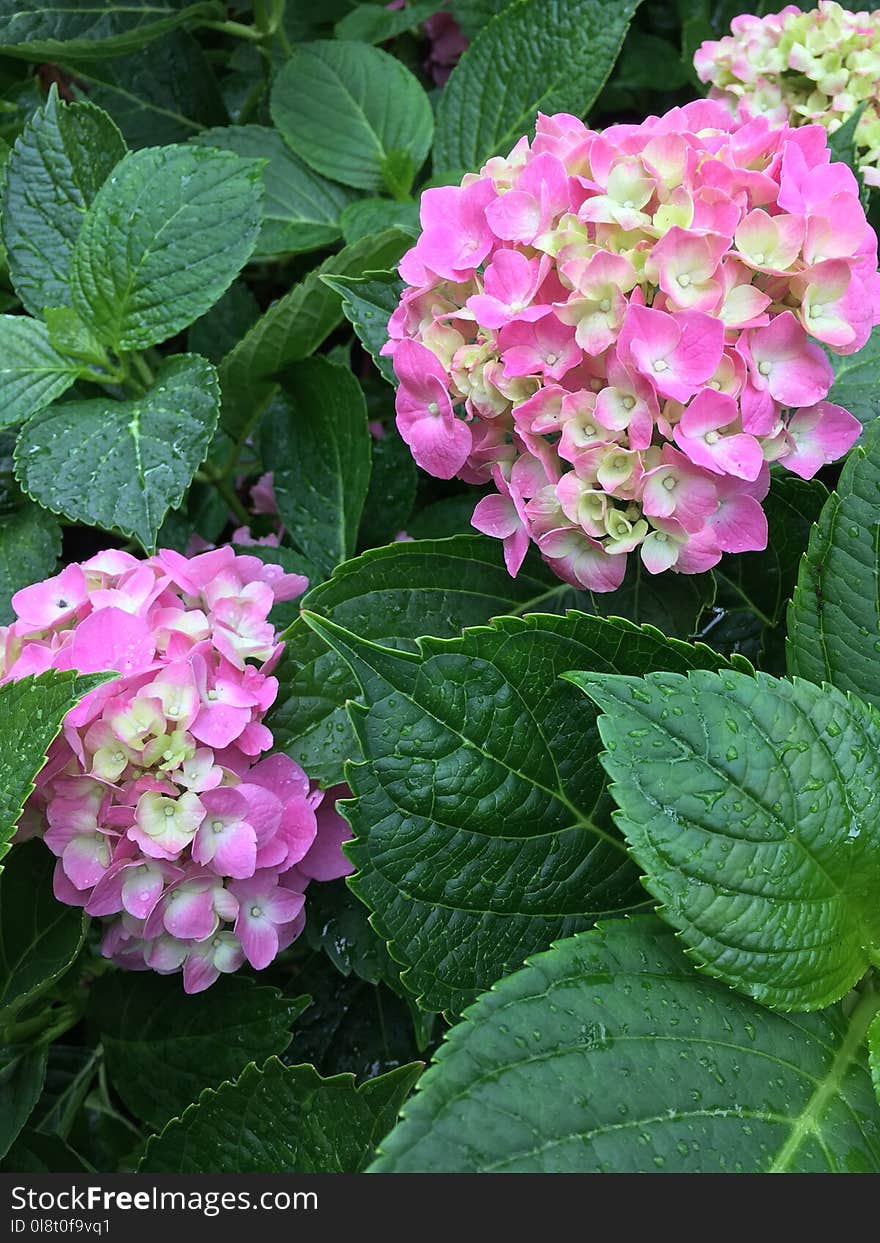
pixel 856 384
pixel 32 372
pixel 36 1153
pixel 162 94
pixel 22 1071
pixel 392 596
pixel 367 303
pixel 371 23
pixel 220 330
pixel 338 925
pixel 301 210
pixel 764 581
pixel 393 484
pixel 482 830
pixel 121 465
pixel 345 108
pixel 834 616
pixel 842 143
pixel 281 1119
pixel 30 545
pixel 607 1054
pixel 58 164
pixel 537 55
pixel 91 29
pixel 294 327
pixel 39 936
pixel 31 712
pixel 749 802
pixel 70 336
pixel 321 443
pixel 366 216
pixel 70 1072
pixel 163 1047
pixel 163 239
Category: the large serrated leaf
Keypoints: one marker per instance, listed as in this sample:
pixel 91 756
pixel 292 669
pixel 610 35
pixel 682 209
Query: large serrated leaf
pixel 163 1047
pixel 753 806
pixel 59 162
pixel 367 302
pixel 30 545
pixel 165 93
pixel 294 327
pixel 390 595
pixel 301 209
pixel 482 829
pixel 321 444
pixel 92 29
pixel 350 111
pixel 834 616
pixel 857 380
pixel 31 712
pixel 121 465
pixel 165 236
pixel 282 1119
pixel 39 936
pixel 32 372
pixel 608 1054
pixel 22 1071
pixel 535 56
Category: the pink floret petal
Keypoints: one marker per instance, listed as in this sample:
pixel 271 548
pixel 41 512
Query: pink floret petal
pixel 169 821
pixel 619 331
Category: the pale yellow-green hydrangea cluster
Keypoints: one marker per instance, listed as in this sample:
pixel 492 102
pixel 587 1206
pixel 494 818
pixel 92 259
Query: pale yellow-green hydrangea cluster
pixel 800 69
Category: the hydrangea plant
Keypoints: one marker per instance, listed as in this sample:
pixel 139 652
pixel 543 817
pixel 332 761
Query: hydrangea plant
pixel 439 484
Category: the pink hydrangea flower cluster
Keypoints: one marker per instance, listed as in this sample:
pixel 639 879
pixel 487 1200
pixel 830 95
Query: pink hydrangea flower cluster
pixel 802 68
pixel 167 818
pixel 621 330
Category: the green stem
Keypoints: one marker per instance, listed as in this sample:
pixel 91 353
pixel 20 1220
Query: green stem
pixel 226 490
pixel 143 369
pixel 238 30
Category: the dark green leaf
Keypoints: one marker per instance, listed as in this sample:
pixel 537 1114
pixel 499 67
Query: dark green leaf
pixel 750 803
pixel 294 327
pixel 607 1054
pixel 338 924
pixel 121 465
pixel 282 1119
pixel 163 239
pixel 321 443
pixel 22 1070
pixel 163 1047
pixel 32 372
pixel 834 616
pixel 301 210
pixel 220 330
pixel 31 712
pixel 91 29
pixel 345 108
pixel 366 216
pixel 367 303
pixel 39 936
pixel 30 545
pixel 392 494
pixel 856 384
pixel 482 829
pixel 70 1071
pixel 537 55
pixel 392 596
pixel 372 23
pixel 56 168
pixel 165 93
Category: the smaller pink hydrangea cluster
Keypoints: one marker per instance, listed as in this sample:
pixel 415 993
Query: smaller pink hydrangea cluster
pixel 802 68
pixel 167 818
pixel 620 331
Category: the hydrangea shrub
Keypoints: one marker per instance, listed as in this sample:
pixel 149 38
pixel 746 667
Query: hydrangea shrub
pixel 802 68
pixel 168 819
pixel 439 581
pixel 622 331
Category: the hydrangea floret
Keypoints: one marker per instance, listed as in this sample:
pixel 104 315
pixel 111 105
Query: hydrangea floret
pixel 801 68
pixel 168 819
pixel 621 330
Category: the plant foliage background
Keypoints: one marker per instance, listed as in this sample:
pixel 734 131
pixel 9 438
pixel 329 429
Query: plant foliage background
pixel 203 207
